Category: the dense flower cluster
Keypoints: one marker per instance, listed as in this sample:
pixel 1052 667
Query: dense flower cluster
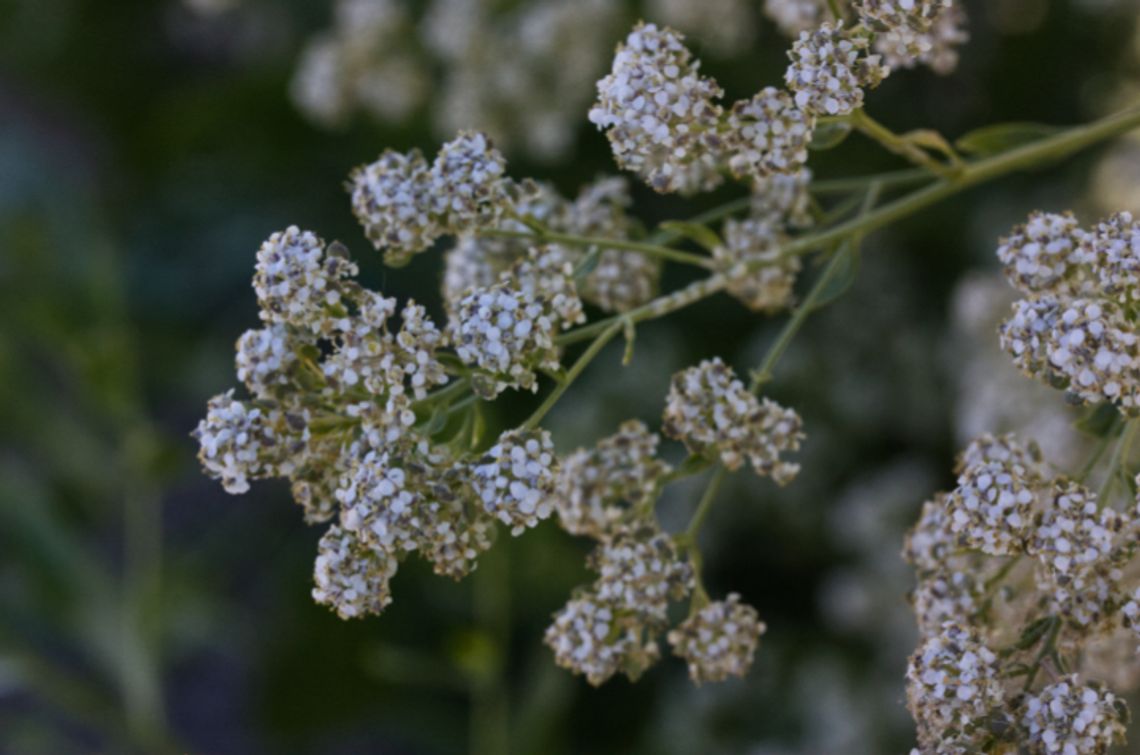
pixel 598 487
pixel 660 114
pixel 954 691
pixel 1069 717
pixel 719 640
pixel 514 480
pixel 1019 559
pixel 1075 328
pixel 830 69
pixel 334 395
pixel 612 625
pixel 710 410
pixel 998 483
pixel 768 134
pixel 506 333
pixel 924 32
pixel 405 205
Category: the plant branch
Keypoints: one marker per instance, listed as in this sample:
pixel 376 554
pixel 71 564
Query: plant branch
pixel 572 374
pixel 652 250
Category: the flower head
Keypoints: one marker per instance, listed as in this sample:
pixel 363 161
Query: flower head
pixel 719 640
pixel 709 409
pixel 660 114
pixel 830 69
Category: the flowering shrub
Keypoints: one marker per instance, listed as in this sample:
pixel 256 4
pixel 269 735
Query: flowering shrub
pixel 379 430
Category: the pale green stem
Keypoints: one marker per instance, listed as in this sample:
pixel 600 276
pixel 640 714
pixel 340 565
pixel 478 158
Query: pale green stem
pixel 898 144
pixel 572 374
pixel 652 250
pixel 972 174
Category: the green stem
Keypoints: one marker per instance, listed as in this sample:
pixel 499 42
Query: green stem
pixel 972 174
pixel 652 250
pixel 897 144
pixel 705 506
pixel 572 374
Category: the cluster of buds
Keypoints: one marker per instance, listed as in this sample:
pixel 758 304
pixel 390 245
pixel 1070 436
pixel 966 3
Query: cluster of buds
pixel 612 625
pixel 1076 329
pixel 334 394
pixel 906 33
pixel 665 121
pixel 405 205
pixel 709 409
pixel 1016 570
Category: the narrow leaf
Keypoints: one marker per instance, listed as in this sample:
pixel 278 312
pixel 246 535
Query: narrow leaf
pixel 1000 137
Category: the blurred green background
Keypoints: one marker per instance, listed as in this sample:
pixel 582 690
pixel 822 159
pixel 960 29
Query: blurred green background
pixel 146 150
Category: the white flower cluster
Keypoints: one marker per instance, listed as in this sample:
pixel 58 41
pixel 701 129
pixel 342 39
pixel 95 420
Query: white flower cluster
pixel 506 333
pixel 783 200
pixel 1036 566
pixel 660 114
pixel 998 483
pixel 934 44
pixel 1080 549
pixel 514 480
pixel 915 14
pixel 830 69
pixel 710 409
pixel 612 625
pixel 405 205
pixel 1076 329
pixel 598 487
pixel 719 640
pixel 591 638
pixel 620 279
pixel 239 441
pixel 350 576
pixel 1072 718
pixel 923 32
pixel 665 123
pixel 333 408
pixel 954 691
pixel 298 280
pixel 750 256
pixel 768 134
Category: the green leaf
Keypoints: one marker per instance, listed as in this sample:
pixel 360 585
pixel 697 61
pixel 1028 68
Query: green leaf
pixel 843 277
pixel 697 232
pixel 1001 137
pixel 1034 632
pixel 1099 422
pixel 829 135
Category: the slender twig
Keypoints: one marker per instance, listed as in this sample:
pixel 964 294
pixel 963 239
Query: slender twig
pixel 572 374
pixel 653 250
pixel 972 174
pixel 899 145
